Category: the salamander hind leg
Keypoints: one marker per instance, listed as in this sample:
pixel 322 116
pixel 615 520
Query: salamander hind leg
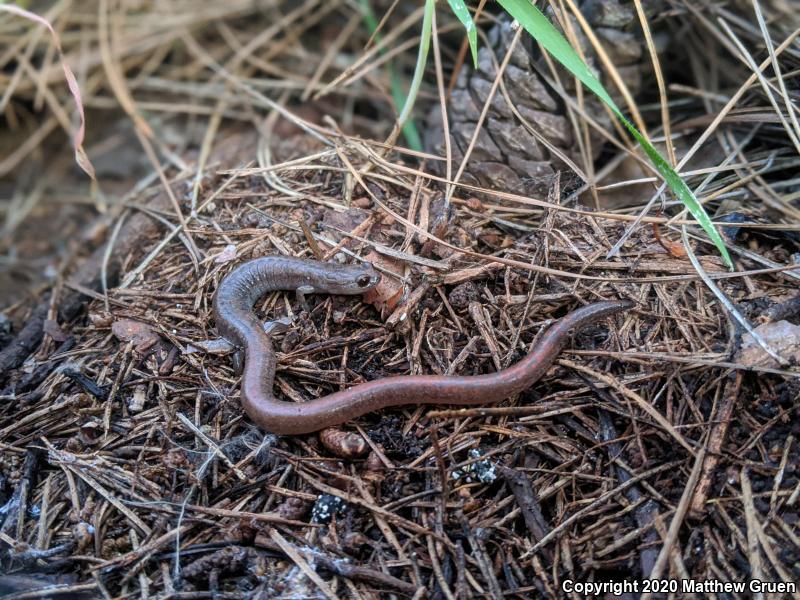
pixel 237 358
pixel 277 326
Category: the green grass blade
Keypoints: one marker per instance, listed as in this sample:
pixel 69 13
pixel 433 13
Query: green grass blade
pixel 422 60
pixel 535 23
pixel 461 11
pixel 410 131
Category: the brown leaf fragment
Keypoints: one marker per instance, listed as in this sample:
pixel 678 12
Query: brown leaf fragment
pixel 52 329
pixel 141 334
pixel 390 291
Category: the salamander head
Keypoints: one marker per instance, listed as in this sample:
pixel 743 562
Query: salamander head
pixel 353 279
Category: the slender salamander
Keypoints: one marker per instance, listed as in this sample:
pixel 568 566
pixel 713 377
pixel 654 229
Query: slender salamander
pixel 236 321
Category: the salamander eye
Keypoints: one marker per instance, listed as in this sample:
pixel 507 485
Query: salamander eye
pixel 363 280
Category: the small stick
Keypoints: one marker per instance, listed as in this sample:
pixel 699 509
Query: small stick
pixel 715 442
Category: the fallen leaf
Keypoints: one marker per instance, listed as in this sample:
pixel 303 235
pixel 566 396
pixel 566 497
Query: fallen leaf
pixel 214 346
pixel 52 329
pixel 783 337
pixel 100 319
pixel 141 334
pixel 138 399
pixel 227 255
pixel 337 223
pixel 390 291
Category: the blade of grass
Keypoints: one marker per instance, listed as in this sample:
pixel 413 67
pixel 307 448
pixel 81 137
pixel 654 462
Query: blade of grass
pixel 422 59
pixel 461 11
pixel 410 131
pixel 543 31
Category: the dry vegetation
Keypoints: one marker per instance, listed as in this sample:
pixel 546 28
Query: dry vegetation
pixel 661 444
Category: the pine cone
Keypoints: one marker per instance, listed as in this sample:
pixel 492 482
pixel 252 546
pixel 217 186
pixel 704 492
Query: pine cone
pixel 506 155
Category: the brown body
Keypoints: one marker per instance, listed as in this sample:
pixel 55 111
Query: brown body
pixel 233 310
